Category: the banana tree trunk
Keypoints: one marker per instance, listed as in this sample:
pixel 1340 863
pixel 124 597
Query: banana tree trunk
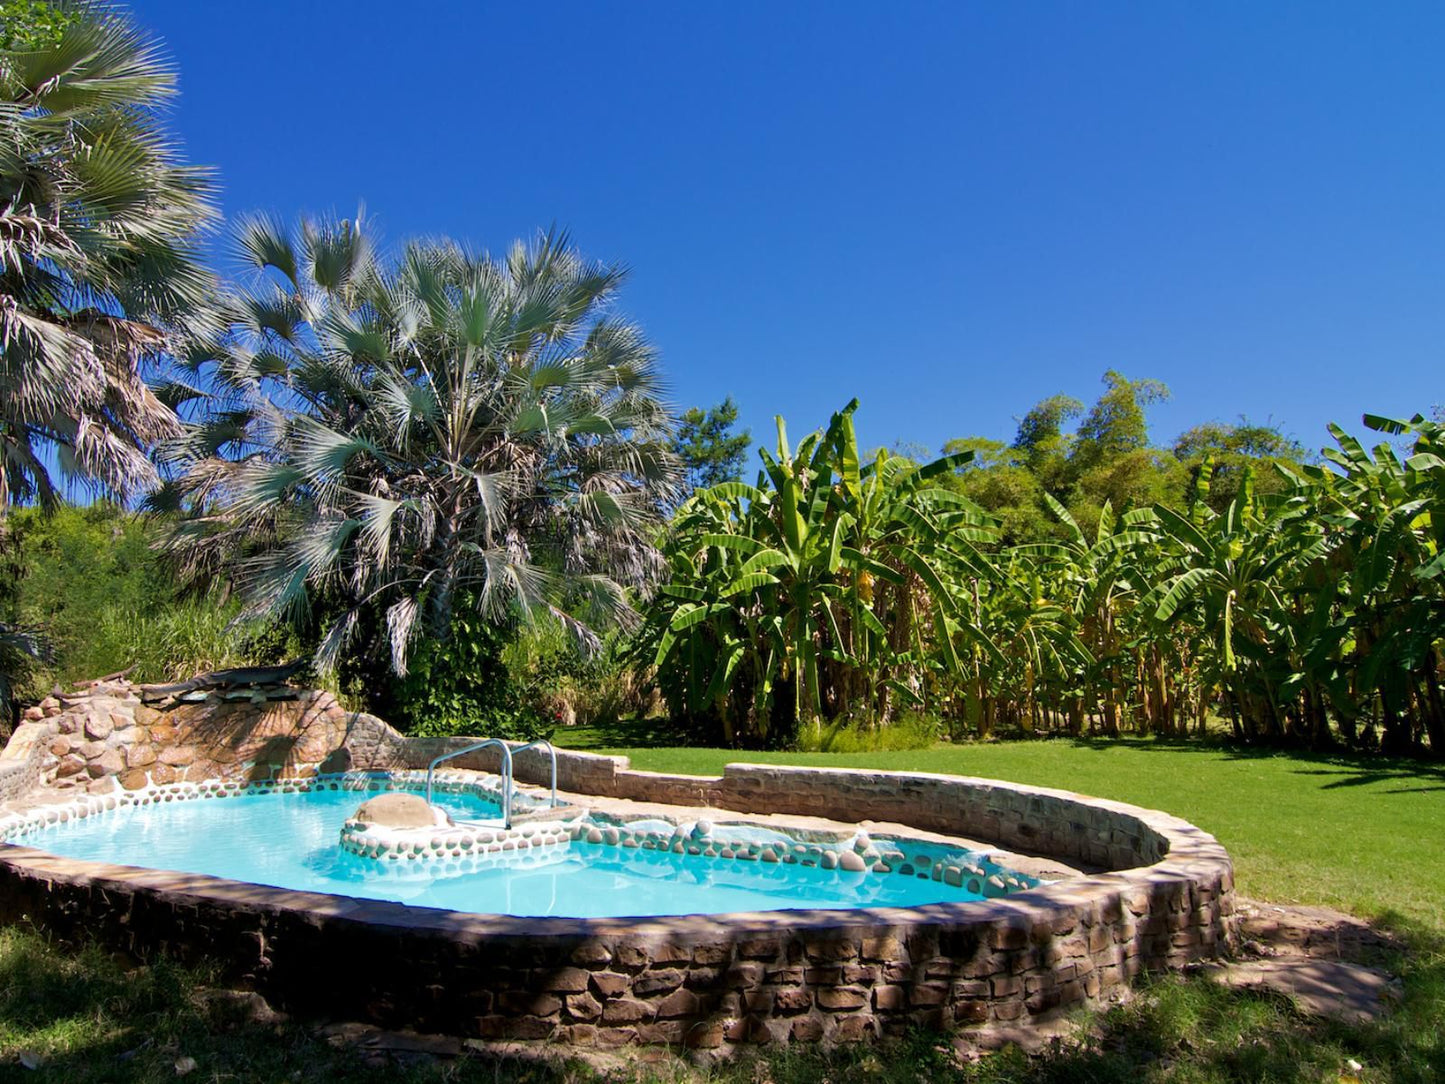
pixel 1435 710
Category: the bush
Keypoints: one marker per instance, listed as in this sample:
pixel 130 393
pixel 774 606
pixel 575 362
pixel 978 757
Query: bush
pixel 87 579
pixel 575 688
pixel 911 731
pixel 462 685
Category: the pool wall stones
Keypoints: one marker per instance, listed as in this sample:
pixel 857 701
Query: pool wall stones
pixel 1164 897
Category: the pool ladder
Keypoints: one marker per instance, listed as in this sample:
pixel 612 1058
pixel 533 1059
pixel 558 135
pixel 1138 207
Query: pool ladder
pixel 507 753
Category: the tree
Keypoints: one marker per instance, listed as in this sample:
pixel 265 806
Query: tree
pixel 998 481
pixel 28 25
pixel 392 445
pixel 99 273
pixel 1115 424
pixel 708 448
pixel 1232 450
pixel 1041 431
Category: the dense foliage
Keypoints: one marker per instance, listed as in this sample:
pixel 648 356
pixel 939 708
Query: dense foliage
pixel 1108 459
pixel 1309 614
pixel 30 25
pixel 809 594
pixel 89 579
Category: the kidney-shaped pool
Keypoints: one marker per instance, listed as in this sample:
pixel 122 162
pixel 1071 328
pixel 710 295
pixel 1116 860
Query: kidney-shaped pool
pixel 600 867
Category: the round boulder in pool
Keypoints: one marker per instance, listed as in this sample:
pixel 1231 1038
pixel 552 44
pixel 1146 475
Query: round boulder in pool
pixel 400 810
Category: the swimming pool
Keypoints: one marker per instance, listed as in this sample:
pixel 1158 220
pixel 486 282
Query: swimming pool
pixel 290 839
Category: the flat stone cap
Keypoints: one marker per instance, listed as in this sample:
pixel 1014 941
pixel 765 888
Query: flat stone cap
pixel 400 811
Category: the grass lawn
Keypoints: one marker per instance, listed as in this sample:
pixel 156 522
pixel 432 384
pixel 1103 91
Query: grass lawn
pixel 1364 835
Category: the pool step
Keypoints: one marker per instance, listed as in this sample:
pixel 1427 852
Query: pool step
pixel 457 841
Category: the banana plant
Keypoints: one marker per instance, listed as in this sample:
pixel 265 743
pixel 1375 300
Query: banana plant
pixel 1230 580
pixel 820 592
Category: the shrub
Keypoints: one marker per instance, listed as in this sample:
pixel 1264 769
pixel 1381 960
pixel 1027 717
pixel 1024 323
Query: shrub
pixel 87 580
pixel 910 731
pixel 462 685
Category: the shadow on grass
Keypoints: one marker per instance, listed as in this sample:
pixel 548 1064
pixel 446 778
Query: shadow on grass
pixel 1344 769
pixel 1177 1029
pixel 82 1016
pixel 622 734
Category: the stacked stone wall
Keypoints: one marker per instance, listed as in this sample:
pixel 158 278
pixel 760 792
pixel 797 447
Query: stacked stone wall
pixel 699 981
pixel 1034 820
pixel 108 736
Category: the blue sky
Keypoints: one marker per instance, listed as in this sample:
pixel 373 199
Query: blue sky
pixel 949 210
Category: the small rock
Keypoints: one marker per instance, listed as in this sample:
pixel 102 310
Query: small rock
pixel 852 862
pixel 185 1064
pixel 242 1005
pixel 108 763
pixel 98 726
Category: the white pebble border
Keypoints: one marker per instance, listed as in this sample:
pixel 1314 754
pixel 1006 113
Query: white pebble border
pixel 972 871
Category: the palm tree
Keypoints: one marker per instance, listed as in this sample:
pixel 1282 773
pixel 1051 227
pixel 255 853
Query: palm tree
pixel 392 441
pixel 99 276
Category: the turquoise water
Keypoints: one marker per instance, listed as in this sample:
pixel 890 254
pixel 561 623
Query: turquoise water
pixel 290 841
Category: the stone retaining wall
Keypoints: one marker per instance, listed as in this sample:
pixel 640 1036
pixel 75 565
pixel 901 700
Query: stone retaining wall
pixel 1165 899
pixel 107 736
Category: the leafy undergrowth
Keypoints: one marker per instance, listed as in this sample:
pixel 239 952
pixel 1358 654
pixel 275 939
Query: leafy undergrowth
pixel 83 1016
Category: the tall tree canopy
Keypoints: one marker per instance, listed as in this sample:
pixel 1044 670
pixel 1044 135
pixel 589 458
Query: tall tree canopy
pixel 390 441
pixel 708 447
pixel 99 272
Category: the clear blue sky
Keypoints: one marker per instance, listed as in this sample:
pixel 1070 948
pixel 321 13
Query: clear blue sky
pixel 950 211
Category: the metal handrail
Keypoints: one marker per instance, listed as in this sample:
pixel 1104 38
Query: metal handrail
pixel 506 773
pixel 551 752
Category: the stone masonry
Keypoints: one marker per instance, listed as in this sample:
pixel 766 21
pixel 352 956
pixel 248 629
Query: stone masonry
pixel 1162 896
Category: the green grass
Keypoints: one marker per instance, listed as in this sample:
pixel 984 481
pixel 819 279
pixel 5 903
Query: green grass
pixel 1360 834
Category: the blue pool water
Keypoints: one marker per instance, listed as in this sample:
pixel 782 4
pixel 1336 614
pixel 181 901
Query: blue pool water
pixel 290 841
